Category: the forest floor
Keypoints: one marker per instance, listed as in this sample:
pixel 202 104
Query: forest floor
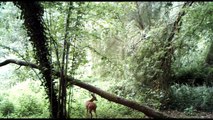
pixel 197 114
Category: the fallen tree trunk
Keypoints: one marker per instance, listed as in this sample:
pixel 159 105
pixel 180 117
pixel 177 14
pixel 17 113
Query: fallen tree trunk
pixel 134 105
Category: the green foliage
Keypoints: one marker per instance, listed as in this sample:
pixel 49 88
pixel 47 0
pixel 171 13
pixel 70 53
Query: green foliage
pixel 137 92
pixel 56 12
pixel 194 38
pixel 147 62
pixel 77 109
pixel 190 111
pixel 200 17
pixel 190 98
pixel 28 105
pixel 12 32
pixel 194 75
pixel 6 108
pixel 152 98
pixel 108 109
pixel 29 102
pixel 106 27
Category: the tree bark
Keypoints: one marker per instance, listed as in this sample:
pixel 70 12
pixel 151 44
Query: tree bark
pixel 131 104
pixel 32 13
pixel 166 60
pixel 63 83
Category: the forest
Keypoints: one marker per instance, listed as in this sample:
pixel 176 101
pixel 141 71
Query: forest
pixel 66 59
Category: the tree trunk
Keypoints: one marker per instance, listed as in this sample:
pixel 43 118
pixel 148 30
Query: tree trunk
pixel 32 13
pixel 63 83
pixel 166 60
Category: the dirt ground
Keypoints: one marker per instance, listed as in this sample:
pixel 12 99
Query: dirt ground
pixel 196 114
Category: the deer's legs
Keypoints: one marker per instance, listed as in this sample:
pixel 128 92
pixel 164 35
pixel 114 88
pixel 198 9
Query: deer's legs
pixel 90 114
pixel 95 113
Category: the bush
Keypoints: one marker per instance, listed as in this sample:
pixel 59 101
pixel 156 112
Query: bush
pixel 76 109
pixel 189 111
pixel 6 108
pixel 183 97
pixel 108 109
pixel 195 76
pixel 28 106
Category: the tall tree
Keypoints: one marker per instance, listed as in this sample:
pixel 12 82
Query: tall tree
pixel 166 59
pixel 32 13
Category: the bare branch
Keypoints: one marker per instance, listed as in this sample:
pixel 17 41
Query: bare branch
pixel 18 62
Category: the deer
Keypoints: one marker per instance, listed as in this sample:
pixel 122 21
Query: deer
pixel 91 106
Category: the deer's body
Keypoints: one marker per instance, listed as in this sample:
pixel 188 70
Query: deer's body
pixel 91 106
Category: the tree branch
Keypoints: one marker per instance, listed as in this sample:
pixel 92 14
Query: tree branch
pixel 18 62
pixel 131 104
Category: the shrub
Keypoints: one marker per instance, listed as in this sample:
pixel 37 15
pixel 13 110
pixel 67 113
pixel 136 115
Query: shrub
pixel 28 106
pixel 190 110
pixel 108 109
pixel 6 108
pixel 195 76
pixel 184 97
pixel 76 109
